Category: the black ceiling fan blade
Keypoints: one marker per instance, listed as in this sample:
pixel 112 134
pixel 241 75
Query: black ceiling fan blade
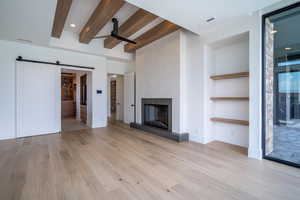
pixel 122 38
pixel 99 37
pixel 115 32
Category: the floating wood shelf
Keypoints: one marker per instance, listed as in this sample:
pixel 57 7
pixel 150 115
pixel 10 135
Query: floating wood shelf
pixel 229 98
pixel 230 121
pixel 230 76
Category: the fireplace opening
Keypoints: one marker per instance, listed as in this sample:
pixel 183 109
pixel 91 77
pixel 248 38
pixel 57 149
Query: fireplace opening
pixel 156 115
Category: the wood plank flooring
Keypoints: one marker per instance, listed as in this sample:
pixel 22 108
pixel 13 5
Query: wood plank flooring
pixel 118 162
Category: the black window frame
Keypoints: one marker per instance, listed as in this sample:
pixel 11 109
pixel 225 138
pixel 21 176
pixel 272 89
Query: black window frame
pixel 292 6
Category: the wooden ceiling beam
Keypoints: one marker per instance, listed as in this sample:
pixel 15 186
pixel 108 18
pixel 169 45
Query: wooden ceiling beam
pixel 137 21
pixel 61 14
pixel 104 12
pixel 153 34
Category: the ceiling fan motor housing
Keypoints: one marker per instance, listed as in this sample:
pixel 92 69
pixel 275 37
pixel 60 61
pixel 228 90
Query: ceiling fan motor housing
pixel 116 26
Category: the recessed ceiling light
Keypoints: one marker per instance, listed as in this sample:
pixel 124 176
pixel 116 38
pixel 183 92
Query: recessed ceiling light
pixel 288 48
pixel 73 25
pixel 210 19
pixel 274 31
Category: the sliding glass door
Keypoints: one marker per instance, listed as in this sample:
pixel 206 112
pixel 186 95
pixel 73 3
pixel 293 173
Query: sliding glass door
pixel 281 138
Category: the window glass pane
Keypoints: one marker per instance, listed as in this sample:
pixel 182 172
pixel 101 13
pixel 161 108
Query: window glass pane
pixel 282 86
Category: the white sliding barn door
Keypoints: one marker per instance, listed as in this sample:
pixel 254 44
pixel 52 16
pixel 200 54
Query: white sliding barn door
pixel 37 99
pixel 129 98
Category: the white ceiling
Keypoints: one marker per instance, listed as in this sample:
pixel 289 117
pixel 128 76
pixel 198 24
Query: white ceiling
pixel 33 19
pixel 81 10
pixel 79 14
pixel 192 14
pixel 27 19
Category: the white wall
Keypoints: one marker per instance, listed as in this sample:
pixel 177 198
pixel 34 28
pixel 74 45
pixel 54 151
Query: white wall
pixel 232 57
pixel 119 67
pixel 10 51
pixel 192 87
pixel 158 75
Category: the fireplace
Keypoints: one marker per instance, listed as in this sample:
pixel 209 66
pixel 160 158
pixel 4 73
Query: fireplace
pixel 157 119
pixel 157 113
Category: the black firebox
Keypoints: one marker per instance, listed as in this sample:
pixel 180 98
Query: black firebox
pixel 157 113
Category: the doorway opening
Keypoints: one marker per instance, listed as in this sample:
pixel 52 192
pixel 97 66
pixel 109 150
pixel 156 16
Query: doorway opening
pixel 115 98
pixel 113 94
pixel 74 100
pixel 121 98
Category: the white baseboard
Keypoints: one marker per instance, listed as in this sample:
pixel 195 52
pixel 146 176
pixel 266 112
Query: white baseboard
pixel 195 139
pixel 100 125
pixel 7 138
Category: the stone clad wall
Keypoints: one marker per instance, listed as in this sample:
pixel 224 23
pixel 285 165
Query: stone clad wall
pixel 269 83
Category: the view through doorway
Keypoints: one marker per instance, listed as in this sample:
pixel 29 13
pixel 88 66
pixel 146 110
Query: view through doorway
pixel 115 97
pixel 74 100
pixel 121 97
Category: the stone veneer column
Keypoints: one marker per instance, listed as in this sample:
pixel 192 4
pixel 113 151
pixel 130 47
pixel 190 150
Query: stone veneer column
pixel 269 84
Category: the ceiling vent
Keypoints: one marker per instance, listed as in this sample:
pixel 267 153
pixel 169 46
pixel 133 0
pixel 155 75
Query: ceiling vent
pixel 210 19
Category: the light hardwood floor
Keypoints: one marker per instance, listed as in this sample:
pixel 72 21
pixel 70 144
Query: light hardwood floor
pixel 122 163
pixel 72 124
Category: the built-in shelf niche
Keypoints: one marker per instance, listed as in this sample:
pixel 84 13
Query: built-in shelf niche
pixel 229 96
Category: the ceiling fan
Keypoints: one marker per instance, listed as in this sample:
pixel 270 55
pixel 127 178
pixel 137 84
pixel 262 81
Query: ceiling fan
pixel 115 33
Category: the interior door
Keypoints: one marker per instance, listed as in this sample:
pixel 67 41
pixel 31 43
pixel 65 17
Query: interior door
pixel 129 87
pixel 37 99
